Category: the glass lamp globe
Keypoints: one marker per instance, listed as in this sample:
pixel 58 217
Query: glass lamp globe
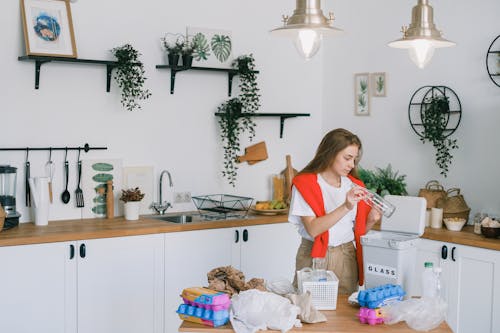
pixel 421 52
pixel 308 42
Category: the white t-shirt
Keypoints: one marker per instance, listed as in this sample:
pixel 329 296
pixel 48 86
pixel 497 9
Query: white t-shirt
pixel 343 231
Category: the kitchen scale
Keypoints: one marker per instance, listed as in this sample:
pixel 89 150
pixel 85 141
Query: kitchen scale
pixel 8 178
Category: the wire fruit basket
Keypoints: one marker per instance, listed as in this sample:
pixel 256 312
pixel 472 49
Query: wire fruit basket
pixel 223 205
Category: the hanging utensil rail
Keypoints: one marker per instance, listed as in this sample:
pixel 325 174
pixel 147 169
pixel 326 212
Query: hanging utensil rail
pixel 85 148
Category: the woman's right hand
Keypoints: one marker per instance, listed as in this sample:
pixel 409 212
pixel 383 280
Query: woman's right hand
pixel 354 195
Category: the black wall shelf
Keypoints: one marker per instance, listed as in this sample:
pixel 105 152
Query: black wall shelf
pixel 174 70
pixel 282 116
pixel 40 60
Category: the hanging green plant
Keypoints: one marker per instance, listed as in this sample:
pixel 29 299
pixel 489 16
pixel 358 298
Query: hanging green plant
pixel 235 115
pixel 435 114
pixel 129 76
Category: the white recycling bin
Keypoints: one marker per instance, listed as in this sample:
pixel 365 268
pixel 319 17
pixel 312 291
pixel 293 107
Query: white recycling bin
pixel 389 255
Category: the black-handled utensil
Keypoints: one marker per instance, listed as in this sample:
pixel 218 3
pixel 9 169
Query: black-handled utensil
pixel 78 192
pixel 65 196
pixel 27 185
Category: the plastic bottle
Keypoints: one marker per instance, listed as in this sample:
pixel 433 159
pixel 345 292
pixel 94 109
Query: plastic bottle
pixel 429 281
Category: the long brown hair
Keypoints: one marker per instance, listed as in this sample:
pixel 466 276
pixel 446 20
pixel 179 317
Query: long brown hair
pixel 332 143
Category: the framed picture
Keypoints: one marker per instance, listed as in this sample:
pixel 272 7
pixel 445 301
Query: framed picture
pixel 48 28
pixel 212 48
pixel 379 84
pixel 361 94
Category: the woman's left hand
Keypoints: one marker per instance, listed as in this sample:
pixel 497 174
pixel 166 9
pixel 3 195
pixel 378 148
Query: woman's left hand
pixel 373 217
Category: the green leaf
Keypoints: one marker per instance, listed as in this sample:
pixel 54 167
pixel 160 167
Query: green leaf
pixel 221 46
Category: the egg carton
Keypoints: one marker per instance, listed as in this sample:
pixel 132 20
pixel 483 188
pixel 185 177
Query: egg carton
pixel 380 296
pixel 203 316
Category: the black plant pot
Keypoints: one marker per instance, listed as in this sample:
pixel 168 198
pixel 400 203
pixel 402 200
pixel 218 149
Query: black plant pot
pixel 187 60
pixel 173 60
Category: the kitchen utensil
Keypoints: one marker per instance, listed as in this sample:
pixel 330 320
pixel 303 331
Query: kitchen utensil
pixel 40 195
pixel 110 200
pixel 254 153
pixel 26 180
pixel 65 196
pixel 289 172
pixel 78 192
pixel 49 172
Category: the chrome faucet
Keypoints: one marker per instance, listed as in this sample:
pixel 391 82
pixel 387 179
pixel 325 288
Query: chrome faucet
pixel 162 206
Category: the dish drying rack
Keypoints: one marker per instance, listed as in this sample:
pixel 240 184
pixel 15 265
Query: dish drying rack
pixel 222 206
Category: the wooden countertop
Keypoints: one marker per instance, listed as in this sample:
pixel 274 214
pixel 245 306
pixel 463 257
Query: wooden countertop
pixel 342 320
pixel 70 230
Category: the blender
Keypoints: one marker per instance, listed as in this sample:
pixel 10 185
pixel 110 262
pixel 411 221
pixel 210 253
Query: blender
pixel 8 177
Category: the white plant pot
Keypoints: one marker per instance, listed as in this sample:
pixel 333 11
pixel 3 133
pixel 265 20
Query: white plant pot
pixel 132 210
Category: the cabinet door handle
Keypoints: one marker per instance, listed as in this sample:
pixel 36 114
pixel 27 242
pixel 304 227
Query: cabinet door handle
pixel 82 251
pixel 453 253
pixel 236 236
pixel 245 235
pixel 444 252
pixel 71 251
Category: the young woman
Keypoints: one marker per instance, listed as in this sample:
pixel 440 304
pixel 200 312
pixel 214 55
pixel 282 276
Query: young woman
pixel 329 212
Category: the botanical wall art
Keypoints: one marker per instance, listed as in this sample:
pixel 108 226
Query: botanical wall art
pixel 212 48
pixel 378 84
pixel 48 28
pixel 361 94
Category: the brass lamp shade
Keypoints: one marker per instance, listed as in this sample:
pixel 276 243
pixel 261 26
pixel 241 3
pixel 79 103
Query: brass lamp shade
pixel 307 25
pixel 422 37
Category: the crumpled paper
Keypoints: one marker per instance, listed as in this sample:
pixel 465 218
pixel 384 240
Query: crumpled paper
pixel 308 313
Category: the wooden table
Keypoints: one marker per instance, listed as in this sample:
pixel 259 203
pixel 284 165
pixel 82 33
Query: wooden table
pixel 342 320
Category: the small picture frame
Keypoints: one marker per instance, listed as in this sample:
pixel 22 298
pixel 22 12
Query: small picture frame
pixel 379 84
pixel 48 28
pixel 361 94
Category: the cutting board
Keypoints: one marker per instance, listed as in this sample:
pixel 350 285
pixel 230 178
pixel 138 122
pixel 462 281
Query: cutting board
pixel 289 172
pixel 254 153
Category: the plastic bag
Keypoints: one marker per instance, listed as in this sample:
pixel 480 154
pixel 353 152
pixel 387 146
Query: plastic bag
pixel 280 286
pixel 254 310
pixel 421 314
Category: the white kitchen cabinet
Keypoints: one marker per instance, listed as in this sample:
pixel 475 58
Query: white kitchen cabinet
pixel 268 251
pixel 121 285
pixel 468 282
pixel 36 284
pixel 98 286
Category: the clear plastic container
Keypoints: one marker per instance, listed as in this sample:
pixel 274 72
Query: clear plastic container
pixel 376 201
pixel 429 282
pixel 319 269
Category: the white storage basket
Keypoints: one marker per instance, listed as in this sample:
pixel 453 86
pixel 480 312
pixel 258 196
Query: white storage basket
pixel 323 293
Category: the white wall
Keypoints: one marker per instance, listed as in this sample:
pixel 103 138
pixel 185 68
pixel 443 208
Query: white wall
pixel 179 132
pixel 386 134
pixel 176 132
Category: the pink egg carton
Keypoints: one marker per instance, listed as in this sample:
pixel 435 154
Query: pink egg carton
pixel 206 298
pixel 370 316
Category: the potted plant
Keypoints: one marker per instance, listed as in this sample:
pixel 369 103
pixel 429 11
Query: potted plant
pixel 236 115
pixel 130 77
pixel 187 53
pixel 173 45
pixel 383 181
pixel 435 113
pixel 132 198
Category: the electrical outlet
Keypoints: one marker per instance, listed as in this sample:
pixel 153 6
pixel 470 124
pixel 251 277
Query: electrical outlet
pixel 182 197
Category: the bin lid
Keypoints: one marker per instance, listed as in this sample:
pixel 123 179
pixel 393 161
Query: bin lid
pixel 409 216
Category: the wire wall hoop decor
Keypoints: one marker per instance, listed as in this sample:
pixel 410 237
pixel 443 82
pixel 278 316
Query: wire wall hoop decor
pixel 420 101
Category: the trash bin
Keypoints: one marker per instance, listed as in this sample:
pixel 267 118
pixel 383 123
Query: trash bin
pixel 389 255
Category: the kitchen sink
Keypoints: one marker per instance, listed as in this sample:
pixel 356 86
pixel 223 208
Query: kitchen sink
pixel 182 218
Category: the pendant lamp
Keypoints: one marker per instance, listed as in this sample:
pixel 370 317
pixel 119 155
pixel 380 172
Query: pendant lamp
pixel 422 37
pixel 306 27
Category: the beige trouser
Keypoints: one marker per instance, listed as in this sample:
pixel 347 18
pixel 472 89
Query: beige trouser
pixel 340 259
